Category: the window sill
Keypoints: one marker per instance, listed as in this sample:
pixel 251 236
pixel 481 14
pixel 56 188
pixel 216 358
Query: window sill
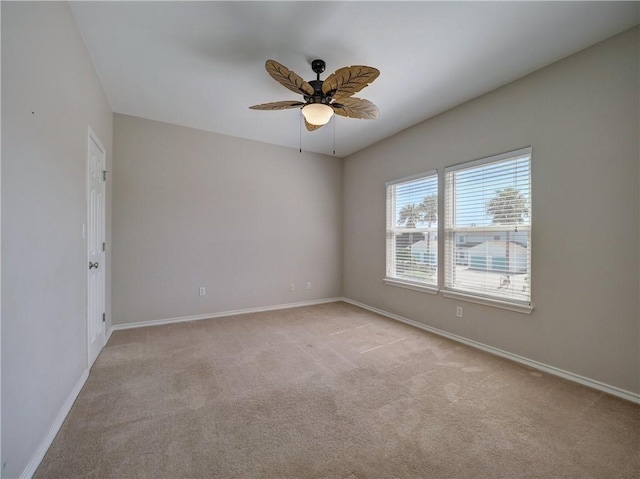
pixel 517 307
pixel 401 283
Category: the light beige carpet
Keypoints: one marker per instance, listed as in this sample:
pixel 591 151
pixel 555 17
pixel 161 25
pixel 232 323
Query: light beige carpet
pixel 331 391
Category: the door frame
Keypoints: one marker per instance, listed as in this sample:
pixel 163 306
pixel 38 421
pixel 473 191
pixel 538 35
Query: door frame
pixel 92 137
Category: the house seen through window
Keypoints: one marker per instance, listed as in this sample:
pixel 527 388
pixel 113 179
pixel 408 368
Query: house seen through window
pixel 412 230
pixel 488 228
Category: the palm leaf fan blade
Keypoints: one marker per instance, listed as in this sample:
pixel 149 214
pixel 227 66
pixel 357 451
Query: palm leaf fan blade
pixel 311 127
pixel 346 81
pixel 356 108
pixel 287 78
pixel 277 105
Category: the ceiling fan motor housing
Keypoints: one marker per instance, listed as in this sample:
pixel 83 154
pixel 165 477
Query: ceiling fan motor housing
pixel 318 96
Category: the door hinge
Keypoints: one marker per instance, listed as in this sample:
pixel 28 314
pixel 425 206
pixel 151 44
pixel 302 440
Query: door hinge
pixel 104 175
pixel 104 246
pixel 104 317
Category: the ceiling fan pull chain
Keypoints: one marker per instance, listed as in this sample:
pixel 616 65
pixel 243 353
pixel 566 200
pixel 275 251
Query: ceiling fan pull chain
pixel 300 130
pixel 334 136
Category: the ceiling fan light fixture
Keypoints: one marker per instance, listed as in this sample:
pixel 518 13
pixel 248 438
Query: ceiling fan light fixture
pixel 317 113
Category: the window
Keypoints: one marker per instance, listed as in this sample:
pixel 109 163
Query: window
pixel 488 203
pixel 412 232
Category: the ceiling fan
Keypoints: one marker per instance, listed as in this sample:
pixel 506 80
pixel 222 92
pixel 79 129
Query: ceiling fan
pixel 324 98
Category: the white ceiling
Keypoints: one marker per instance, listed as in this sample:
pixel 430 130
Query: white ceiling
pixel 201 64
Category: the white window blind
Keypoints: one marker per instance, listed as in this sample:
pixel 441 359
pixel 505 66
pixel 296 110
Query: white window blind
pixel 488 227
pixel 412 229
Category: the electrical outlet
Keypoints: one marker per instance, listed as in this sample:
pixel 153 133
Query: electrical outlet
pixel 292 287
pixel 202 291
pixel 309 285
pixel 459 311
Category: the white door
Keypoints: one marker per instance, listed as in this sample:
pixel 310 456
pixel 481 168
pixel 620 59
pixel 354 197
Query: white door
pixel 96 176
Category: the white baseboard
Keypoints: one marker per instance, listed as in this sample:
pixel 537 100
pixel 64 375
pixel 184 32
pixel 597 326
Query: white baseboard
pixel 33 464
pixel 613 390
pixel 109 333
pixel 182 319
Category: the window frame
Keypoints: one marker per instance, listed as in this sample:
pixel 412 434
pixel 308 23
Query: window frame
pixel 391 232
pixel 450 231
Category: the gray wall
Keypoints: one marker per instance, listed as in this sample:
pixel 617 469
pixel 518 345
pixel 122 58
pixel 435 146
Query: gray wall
pixel 45 70
pixel 241 218
pixel 581 117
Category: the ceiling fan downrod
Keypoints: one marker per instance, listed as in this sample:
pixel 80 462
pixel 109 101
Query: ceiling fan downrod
pixel 318 66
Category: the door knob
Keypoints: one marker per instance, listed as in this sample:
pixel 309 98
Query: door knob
pixel 93 265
